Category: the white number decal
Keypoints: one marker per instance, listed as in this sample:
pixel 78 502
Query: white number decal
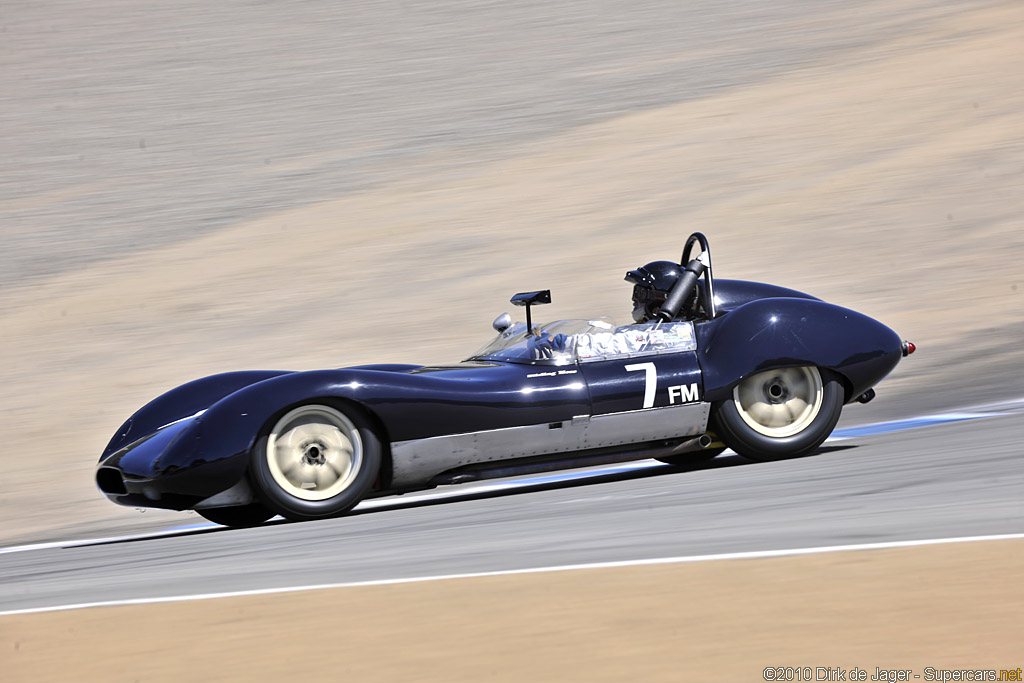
pixel 686 393
pixel 651 385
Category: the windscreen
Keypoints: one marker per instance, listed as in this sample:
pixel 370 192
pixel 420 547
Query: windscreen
pixel 548 344
pixel 568 341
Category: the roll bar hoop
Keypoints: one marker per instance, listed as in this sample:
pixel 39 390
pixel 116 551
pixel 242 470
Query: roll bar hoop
pixel 709 279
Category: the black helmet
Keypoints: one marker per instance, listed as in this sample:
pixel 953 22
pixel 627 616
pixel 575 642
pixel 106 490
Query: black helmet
pixel 651 285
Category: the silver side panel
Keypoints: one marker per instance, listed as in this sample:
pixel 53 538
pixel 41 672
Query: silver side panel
pixel 417 461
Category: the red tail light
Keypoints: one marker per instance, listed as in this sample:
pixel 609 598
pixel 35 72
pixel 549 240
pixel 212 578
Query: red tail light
pixel 908 348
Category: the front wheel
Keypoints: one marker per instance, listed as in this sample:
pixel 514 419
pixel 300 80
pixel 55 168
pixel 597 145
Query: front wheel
pixel 783 413
pixel 316 461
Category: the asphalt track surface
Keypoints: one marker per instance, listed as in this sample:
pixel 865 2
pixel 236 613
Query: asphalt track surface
pixel 956 475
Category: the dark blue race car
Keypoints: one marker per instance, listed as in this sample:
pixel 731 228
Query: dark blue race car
pixel 707 364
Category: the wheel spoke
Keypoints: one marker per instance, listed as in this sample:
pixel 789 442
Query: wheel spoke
pixel 288 439
pixel 340 462
pixel 796 408
pixel 288 461
pixel 320 432
pixel 325 476
pixel 780 415
pixel 762 412
pixel 344 449
pixel 337 441
pixel 748 394
pixel 306 473
pixel 800 386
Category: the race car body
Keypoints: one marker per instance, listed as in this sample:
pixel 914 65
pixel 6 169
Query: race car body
pixel 763 368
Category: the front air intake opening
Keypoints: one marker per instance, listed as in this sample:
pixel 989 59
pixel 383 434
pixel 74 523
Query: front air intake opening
pixel 109 480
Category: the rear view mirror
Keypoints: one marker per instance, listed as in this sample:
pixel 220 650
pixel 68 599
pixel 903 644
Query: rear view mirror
pixel 502 322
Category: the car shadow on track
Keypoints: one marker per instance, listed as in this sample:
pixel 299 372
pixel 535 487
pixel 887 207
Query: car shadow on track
pixel 513 487
pixel 527 486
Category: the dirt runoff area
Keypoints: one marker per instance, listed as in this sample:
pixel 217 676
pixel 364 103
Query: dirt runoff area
pixel 921 611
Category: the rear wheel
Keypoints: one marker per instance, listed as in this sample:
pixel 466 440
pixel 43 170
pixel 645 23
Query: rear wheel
pixel 783 413
pixel 252 514
pixel 316 462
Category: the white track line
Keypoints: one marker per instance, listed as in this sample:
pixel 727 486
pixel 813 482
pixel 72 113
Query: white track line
pixel 96 541
pixel 749 555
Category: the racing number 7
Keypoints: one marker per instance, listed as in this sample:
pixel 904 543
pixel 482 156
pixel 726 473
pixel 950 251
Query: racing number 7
pixel 651 385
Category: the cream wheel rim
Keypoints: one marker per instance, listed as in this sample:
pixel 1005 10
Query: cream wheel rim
pixel 314 452
pixel 779 403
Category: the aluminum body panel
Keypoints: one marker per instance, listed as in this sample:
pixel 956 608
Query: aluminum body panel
pixel 731 294
pixel 417 461
pixel 787 332
pixel 183 401
pixel 622 385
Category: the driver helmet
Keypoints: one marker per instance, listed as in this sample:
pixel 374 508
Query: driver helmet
pixel 651 285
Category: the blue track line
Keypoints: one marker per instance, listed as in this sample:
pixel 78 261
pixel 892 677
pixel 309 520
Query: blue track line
pixel 904 425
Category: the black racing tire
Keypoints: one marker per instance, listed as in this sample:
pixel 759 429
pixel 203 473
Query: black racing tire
pixel 239 516
pixel 315 461
pixel 693 457
pixel 781 413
